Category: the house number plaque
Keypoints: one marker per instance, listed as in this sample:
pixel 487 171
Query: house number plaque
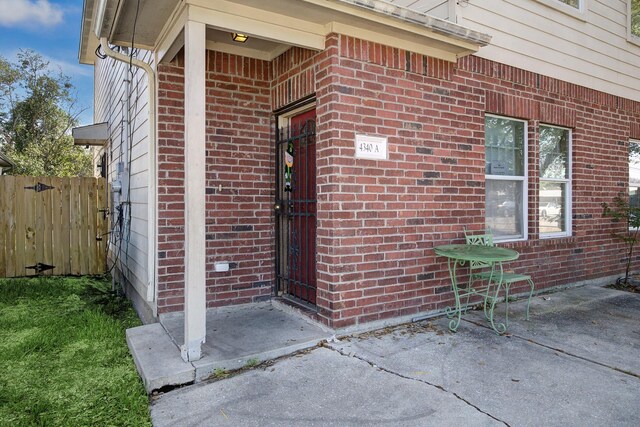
pixel 371 147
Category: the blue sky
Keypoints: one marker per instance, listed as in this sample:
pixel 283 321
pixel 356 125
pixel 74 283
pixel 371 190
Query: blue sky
pixel 52 28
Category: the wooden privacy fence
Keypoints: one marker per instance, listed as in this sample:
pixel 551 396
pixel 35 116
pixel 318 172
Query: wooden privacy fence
pixel 52 226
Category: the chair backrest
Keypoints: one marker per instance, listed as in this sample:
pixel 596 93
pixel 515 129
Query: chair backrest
pixel 483 239
pixel 479 239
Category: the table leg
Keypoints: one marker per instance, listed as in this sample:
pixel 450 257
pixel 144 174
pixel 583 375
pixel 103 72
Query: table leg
pixel 488 290
pixel 457 311
pixel 500 328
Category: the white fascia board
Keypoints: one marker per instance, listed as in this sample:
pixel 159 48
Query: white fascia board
pixel 171 37
pixel 96 134
pixel 400 43
pixel 263 24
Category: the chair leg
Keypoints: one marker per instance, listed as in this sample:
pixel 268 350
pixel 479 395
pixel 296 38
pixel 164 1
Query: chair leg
pixel 469 287
pixel 486 298
pixel 506 303
pixel 529 301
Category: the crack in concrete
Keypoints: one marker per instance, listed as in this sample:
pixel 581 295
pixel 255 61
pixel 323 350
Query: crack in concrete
pixel 559 350
pixel 439 387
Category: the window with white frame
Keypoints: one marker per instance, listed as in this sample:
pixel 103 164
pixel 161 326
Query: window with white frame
pixel 554 198
pixel 634 20
pixel 506 177
pixel 575 8
pixel 634 172
pixel 572 3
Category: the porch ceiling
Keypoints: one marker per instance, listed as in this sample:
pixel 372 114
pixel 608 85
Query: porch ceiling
pixel 272 26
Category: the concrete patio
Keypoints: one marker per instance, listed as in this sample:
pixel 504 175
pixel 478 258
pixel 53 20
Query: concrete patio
pixel 236 336
pixel 575 363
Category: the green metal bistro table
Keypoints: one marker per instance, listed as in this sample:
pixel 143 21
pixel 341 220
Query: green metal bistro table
pixel 458 256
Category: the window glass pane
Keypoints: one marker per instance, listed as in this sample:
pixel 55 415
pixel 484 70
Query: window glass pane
pixel 504 143
pixel 635 17
pixel 504 208
pixel 572 3
pixel 634 196
pixel 634 172
pixel 553 152
pixel 552 207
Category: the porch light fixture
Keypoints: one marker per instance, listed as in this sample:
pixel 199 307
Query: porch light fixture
pixel 240 38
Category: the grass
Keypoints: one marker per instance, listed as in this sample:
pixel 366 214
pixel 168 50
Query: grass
pixel 252 362
pixel 64 357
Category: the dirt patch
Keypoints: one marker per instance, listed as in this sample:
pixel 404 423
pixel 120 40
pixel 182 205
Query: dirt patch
pixel 633 285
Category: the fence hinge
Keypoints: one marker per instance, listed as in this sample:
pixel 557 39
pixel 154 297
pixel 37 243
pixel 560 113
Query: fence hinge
pixel 40 267
pixel 40 187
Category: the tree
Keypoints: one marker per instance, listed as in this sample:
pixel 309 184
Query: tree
pixel 37 111
pixel 621 210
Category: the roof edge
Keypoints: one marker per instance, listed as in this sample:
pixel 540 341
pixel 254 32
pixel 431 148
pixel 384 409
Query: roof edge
pixel 5 161
pixel 432 23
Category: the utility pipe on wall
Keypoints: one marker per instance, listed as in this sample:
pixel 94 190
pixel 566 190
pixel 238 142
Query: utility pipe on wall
pixel 152 201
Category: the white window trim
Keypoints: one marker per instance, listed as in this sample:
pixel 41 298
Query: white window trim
pixel 525 186
pixel 637 142
pixel 568 193
pixel 579 13
pixel 631 38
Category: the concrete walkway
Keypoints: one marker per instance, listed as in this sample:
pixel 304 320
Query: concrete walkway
pixel 575 363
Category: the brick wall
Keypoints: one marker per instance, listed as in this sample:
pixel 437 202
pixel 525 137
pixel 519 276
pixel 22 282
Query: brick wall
pixel 379 220
pixel 240 181
pixel 170 187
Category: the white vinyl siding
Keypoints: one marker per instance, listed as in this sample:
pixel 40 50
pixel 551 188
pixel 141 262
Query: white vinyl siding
pixel 592 50
pixel 121 99
pixel 633 21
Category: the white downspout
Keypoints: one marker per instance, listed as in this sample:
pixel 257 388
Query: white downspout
pixel 152 201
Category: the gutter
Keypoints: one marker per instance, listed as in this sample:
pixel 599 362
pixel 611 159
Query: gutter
pixel 152 201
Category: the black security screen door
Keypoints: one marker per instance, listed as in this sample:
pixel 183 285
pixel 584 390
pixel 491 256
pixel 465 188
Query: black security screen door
pixel 296 208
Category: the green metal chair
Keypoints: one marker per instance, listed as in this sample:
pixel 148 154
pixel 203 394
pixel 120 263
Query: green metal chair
pixel 484 271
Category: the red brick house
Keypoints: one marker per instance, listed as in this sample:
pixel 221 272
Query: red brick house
pixel 323 158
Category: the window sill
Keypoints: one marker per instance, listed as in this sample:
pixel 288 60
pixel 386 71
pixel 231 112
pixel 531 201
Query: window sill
pixel 633 39
pixel 553 236
pixel 579 14
pixel 540 242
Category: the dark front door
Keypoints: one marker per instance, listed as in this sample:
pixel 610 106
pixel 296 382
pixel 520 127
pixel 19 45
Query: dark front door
pixel 296 208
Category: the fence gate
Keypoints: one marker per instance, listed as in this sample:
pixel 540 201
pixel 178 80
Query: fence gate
pixel 53 226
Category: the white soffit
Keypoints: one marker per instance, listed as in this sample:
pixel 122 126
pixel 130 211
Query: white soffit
pixel 5 162
pixel 96 134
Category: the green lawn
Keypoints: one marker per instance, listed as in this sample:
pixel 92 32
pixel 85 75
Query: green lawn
pixel 64 360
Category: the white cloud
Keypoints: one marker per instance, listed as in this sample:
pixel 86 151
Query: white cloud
pixel 29 13
pixel 69 68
